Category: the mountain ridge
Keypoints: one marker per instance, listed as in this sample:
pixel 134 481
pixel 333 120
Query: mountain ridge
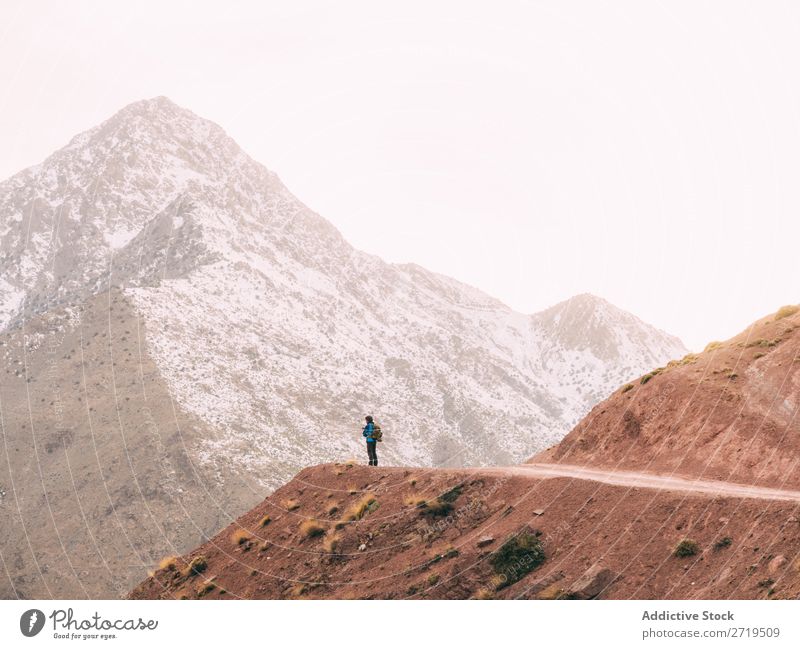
pixel 177 212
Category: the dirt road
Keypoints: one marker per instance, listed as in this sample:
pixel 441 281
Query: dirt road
pixel 647 481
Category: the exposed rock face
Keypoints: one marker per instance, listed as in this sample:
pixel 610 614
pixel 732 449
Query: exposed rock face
pixel 593 582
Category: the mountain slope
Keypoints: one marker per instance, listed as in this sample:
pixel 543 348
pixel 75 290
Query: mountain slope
pixel 729 413
pixel 582 540
pixel 99 476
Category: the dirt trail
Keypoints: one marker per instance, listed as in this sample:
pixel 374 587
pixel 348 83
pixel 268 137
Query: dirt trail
pixel 646 481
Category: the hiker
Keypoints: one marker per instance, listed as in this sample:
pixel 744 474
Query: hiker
pixel 372 432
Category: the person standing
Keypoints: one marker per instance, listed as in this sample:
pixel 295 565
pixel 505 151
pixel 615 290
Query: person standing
pixel 371 435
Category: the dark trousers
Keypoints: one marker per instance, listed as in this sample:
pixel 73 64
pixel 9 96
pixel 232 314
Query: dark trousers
pixel 373 453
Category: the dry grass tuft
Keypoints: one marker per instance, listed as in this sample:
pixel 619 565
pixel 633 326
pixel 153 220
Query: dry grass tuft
pixel 686 548
pixel 168 563
pixel 206 588
pixel 365 504
pixel 264 521
pixel 240 537
pixel 311 528
pixel 786 311
pixel 553 591
pixel 291 505
pixel 331 542
pixel 415 500
pixel 196 566
pixel 650 375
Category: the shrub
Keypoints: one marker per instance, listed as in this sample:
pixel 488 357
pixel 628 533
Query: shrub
pixel 333 508
pixel 686 548
pixel 433 579
pixel 786 311
pixel 196 566
pixel 552 592
pixel 206 588
pixel 688 359
pixel 715 344
pixel 627 388
pixel 761 342
pixel 331 542
pixel 168 563
pixel 518 556
pixel 723 543
pixel 311 528
pixel 451 553
pixel 415 500
pixel 435 507
pixel 291 505
pixel 451 495
pixel 240 537
pixel 356 511
pixel 652 374
pixel 266 520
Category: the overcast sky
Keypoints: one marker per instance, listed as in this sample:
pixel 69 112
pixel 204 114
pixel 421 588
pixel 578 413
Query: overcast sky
pixel 646 152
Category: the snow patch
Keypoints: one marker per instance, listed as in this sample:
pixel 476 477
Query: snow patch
pixel 120 237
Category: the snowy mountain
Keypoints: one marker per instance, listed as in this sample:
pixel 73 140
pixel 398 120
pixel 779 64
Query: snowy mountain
pixel 178 333
pixel 267 325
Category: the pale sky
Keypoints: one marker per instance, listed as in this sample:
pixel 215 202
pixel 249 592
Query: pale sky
pixel 647 152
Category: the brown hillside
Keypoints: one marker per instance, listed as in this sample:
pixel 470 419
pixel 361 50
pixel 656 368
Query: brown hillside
pixel 729 413
pixel 99 476
pixel 339 531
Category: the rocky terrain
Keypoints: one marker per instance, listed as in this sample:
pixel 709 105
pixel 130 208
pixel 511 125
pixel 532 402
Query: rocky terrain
pixel 179 335
pixel 347 532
